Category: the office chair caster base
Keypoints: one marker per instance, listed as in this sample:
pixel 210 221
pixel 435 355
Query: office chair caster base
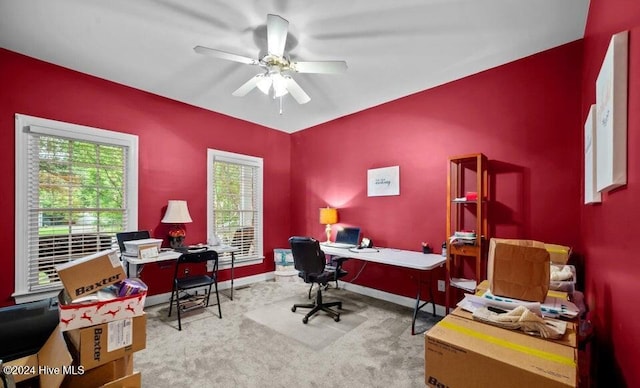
pixel 337 318
pixel 293 309
pixel 305 320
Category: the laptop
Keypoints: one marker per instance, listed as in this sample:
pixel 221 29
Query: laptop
pixel 346 238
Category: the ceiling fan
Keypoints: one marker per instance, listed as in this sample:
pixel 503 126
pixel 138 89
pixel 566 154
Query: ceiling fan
pixel 276 78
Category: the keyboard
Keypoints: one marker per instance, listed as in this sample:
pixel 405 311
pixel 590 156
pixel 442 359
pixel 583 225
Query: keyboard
pixel 339 245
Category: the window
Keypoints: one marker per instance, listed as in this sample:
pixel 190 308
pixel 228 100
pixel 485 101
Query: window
pixel 76 187
pixel 234 205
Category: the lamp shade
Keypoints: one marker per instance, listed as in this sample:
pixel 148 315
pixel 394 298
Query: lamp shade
pixel 328 215
pixel 177 213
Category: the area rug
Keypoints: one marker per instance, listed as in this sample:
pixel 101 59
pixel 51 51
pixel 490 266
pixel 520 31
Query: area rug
pixel 318 333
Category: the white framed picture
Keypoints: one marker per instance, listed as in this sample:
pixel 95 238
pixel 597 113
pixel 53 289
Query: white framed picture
pixel 591 193
pixel 383 181
pixel 611 115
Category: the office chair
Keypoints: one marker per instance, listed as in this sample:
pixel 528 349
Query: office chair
pixel 309 260
pixel 184 280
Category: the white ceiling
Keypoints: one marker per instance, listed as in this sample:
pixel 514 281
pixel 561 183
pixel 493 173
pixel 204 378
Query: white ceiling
pixel 392 48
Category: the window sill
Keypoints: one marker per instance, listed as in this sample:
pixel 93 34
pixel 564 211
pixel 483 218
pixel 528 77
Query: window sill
pixel 26 297
pixel 226 264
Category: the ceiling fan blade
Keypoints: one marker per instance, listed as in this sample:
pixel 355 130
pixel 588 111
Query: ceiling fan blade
pixel 296 91
pixel 321 67
pixel 248 86
pixel 225 55
pixel 277 29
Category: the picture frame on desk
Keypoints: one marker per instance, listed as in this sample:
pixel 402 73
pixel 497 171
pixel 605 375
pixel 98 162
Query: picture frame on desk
pixel 148 252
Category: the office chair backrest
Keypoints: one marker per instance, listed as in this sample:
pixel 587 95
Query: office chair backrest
pixel 194 258
pixel 307 255
pixel 129 236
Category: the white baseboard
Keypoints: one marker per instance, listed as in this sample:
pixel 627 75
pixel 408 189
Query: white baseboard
pixel 247 280
pixel 389 297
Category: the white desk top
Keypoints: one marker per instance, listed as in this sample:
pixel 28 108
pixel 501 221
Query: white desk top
pixel 391 256
pixel 173 255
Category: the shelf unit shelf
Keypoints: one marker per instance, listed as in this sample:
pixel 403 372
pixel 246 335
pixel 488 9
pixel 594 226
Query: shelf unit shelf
pixel 467 173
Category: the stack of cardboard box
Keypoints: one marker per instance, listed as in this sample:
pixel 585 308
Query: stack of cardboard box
pixel 94 342
pixel 462 352
pixel 102 335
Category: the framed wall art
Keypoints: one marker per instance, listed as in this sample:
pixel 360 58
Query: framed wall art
pixel 611 115
pixel 591 193
pixel 383 181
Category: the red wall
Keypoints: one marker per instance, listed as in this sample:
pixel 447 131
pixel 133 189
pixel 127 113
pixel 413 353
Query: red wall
pixel 610 228
pixel 174 138
pixel 524 116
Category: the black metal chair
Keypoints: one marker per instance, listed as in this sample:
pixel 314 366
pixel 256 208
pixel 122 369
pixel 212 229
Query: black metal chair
pixel 309 260
pixel 184 281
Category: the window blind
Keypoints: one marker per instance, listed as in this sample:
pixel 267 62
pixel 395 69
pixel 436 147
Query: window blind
pixel 76 202
pixel 235 207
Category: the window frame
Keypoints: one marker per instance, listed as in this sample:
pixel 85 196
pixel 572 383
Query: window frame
pixel 26 125
pixel 246 160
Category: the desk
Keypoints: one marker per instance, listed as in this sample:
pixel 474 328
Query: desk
pixel 134 264
pixel 397 257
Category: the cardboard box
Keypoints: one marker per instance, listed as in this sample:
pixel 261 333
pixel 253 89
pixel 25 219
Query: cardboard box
pixel 78 315
pixel 91 273
pixel 518 269
pixel 96 345
pixel 100 375
pixel 559 254
pixel 133 247
pixel 131 381
pixel 464 353
pixel 50 363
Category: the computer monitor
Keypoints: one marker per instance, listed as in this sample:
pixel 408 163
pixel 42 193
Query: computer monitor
pixel 348 235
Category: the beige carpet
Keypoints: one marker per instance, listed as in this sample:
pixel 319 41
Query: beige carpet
pixel 373 346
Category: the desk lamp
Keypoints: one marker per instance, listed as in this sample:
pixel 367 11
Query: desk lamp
pixel 328 216
pixel 177 214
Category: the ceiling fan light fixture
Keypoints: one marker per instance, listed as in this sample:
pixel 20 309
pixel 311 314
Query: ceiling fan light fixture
pixel 276 64
pixel 264 84
pixel 279 85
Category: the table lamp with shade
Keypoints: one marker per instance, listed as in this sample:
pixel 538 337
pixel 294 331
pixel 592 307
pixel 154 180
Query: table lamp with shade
pixel 177 214
pixel 328 216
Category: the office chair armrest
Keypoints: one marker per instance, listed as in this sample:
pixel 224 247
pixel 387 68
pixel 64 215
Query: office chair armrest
pixel 336 262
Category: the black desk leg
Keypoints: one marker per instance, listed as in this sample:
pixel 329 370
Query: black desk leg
pixel 420 306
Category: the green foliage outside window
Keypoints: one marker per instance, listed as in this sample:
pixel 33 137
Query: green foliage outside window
pixel 80 184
